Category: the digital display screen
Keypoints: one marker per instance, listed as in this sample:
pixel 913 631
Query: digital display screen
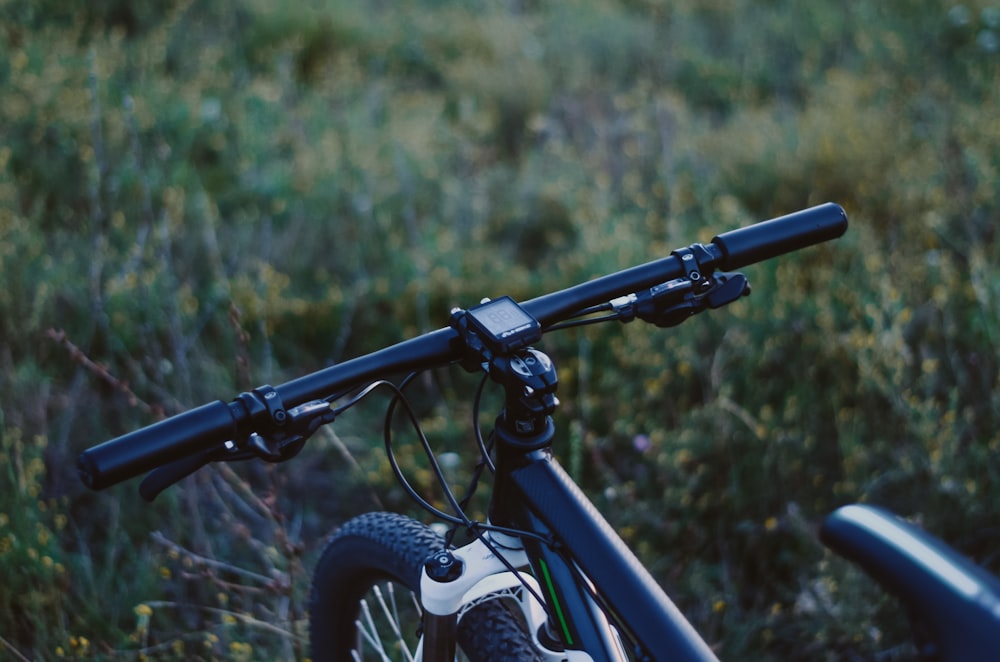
pixel 501 316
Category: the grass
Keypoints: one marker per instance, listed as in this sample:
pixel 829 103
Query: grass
pixel 204 197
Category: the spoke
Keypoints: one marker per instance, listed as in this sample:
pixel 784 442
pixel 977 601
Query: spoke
pixel 395 609
pixel 393 620
pixel 371 634
pixel 390 588
pixel 416 604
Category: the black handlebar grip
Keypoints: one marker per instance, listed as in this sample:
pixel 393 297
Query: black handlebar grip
pixel 767 239
pixel 137 452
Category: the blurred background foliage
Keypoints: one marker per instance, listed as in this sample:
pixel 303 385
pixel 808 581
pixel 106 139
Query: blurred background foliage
pixel 200 197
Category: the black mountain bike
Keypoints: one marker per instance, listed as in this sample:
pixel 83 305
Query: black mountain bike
pixel 545 577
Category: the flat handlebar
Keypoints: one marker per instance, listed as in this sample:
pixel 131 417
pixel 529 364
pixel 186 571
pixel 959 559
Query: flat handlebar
pixel 145 449
pixel 767 239
pixel 214 424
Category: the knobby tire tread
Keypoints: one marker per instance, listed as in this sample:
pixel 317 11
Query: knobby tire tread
pixel 378 546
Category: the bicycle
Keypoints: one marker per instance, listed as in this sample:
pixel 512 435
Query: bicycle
pixel 545 577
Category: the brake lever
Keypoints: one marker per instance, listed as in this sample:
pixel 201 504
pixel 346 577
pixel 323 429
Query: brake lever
pixel 301 423
pixel 164 476
pixel 728 287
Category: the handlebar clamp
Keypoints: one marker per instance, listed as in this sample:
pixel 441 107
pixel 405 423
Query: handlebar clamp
pixel 266 399
pixel 692 266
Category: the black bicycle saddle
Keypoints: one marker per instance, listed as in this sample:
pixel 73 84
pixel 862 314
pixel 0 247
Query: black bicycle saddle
pixel 955 604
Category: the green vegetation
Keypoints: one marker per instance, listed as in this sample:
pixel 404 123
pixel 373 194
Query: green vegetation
pixel 200 197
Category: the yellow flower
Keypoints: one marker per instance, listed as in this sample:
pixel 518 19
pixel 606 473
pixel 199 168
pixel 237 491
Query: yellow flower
pixel 240 650
pixel 143 610
pixel 19 61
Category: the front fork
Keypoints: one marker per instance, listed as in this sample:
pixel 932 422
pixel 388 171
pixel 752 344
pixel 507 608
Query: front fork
pixel 453 581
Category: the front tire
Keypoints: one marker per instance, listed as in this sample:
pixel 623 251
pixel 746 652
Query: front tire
pixel 365 598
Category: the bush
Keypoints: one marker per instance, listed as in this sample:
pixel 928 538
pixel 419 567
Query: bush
pixel 199 198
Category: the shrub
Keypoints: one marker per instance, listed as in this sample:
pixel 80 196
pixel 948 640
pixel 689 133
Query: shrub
pixel 208 196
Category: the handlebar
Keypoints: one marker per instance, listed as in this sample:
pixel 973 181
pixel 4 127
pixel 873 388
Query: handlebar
pixel 213 424
pixel 138 452
pixel 767 239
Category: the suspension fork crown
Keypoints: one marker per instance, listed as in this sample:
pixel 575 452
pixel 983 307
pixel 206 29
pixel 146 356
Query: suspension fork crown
pixel 477 562
pixel 483 576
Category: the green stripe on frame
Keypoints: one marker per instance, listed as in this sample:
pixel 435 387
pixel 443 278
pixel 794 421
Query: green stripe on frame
pixel 555 601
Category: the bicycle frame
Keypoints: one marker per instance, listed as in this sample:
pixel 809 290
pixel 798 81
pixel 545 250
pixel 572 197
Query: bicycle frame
pixel 533 493
pixel 584 572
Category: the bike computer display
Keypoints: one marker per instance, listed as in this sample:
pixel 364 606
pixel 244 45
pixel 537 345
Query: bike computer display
pixel 503 325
